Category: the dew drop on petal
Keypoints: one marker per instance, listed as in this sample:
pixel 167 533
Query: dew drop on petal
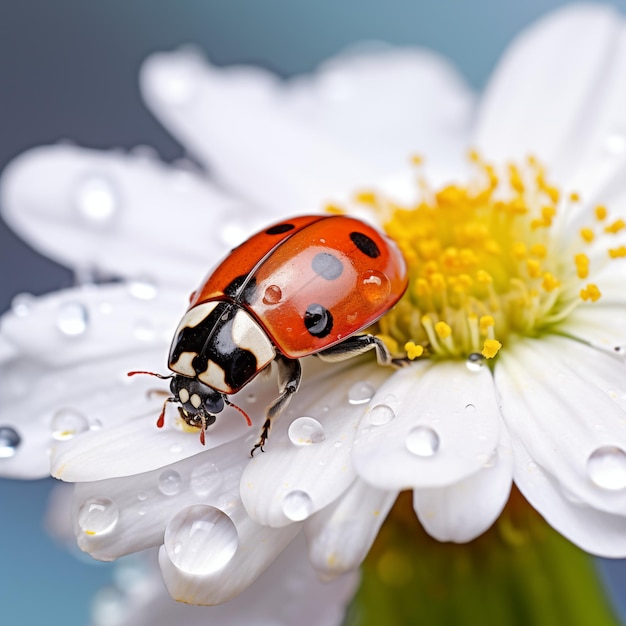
pixel 360 393
pixel 297 505
pixel 422 441
pixel 142 289
pixel 22 304
pixel 272 295
pixel 96 200
pixel 67 423
pixel 142 496
pixel 72 319
pixel 470 408
pixel 475 362
pixel 200 540
pixel 9 441
pixel 206 478
pixel 380 414
pixel 98 516
pixel 606 467
pixel 169 482
pixel 375 286
pixel 306 430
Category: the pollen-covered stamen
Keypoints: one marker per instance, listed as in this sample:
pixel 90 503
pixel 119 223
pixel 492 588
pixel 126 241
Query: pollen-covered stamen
pixel 487 261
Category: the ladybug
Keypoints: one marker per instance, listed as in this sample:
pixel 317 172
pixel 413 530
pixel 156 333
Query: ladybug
pixel 307 285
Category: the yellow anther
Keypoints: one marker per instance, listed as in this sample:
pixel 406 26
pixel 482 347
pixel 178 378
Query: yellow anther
pixel 483 277
pixel 552 193
pixel 473 155
pixel 574 196
pixel 422 288
pixel 550 283
pixel 538 250
pixel 519 250
pixel 334 209
pixel 437 282
pixel 450 195
pixel 590 292
pixel 366 197
pixel 534 268
pixel 615 227
pixel 443 330
pixel 600 212
pixel 413 350
pixel 486 322
pixel 587 234
pixel 616 253
pixel 491 347
pixel 515 179
pixel 582 265
pixel 417 159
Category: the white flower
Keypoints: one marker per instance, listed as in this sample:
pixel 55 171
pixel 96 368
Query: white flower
pixel 549 416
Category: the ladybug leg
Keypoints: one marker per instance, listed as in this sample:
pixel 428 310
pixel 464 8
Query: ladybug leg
pixel 289 375
pixel 358 344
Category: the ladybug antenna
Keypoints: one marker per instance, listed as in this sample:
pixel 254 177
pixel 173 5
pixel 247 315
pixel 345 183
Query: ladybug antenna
pixel 150 374
pixel 229 403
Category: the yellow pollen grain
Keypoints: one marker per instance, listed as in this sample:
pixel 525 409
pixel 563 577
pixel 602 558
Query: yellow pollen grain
pixel 539 250
pixel 417 159
pixel 334 209
pixel 483 277
pixel 443 330
pixel 486 322
pixel 519 250
pixel 582 265
pixel 574 196
pixel 587 234
pixel 590 292
pixel 600 212
pixel 534 268
pixel 615 227
pixel 550 283
pixel 413 350
pixel 366 197
pixel 90 532
pixel 616 253
pixel 491 347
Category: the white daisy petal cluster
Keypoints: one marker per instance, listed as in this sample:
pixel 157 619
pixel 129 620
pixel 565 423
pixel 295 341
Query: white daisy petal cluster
pixel 544 407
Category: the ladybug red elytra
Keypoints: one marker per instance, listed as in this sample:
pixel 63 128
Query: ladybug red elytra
pixel 304 286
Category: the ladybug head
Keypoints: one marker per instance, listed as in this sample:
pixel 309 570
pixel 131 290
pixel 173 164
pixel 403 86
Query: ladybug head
pixel 199 403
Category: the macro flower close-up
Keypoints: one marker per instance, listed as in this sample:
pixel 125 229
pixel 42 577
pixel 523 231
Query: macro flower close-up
pixel 506 389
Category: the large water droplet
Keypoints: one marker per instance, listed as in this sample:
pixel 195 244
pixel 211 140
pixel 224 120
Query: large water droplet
pixel 361 393
pixel 422 441
pixel 375 286
pixel 169 482
pixel 98 516
pixel 206 478
pixel 142 289
pixel 72 319
pixel 306 430
pixel 475 362
pixel 96 200
pixel 9 441
pixel 200 540
pixel 606 467
pixel 297 505
pixel 380 414
pixel 67 423
pixel 22 304
pixel 272 295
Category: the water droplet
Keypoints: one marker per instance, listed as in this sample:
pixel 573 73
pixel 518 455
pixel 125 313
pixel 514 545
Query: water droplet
pixel 422 441
pixel 360 393
pixel 142 496
pixel 380 414
pixel 306 430
pixel 176 448
pixel 475 362
pixel 375 286
pixel 169 482
pixel 272 295
pixel 67 423
pixel 96 200
pixel 206 478
pixel 142 510
pixel 98 516
pixel 22 304
pixel 142 289
pixel 470 408
pixel 606 467
pixel 200 540
pixel 297 505
pixel 9 441
pixel 72 318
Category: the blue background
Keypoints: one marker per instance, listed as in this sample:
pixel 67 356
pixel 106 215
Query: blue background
pixel 68 70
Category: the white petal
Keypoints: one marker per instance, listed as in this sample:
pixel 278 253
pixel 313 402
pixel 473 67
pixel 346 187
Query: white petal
pixel 602 326
pixel 255 547
pixel 596 532
pixel 401 100
pixel 564 402
pixel 237 122
pixel 308 460
pixel 465 510
pixel 340 536
pixel 561 61
pixel 434 425
pixel 287 593
pixel 120 214
pixel 145 502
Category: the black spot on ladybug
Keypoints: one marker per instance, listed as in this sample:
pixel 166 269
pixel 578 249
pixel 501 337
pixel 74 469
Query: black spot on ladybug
pixel 318 320
pixel 212 340
pixel 241 288
pixel 365 244
pixel 327 266
pixel 279 229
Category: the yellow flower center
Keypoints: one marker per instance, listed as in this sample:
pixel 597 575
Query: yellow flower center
pixel 487 261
